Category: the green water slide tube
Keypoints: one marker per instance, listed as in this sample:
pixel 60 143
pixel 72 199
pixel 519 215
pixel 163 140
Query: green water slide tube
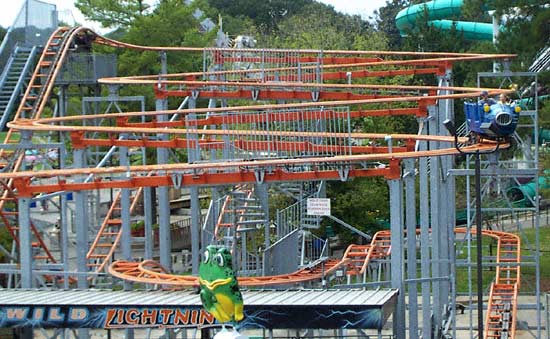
pixel 523 195
pixel 437 10
pixel 529 103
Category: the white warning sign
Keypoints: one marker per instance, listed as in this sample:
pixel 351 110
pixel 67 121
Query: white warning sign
pixel 318 206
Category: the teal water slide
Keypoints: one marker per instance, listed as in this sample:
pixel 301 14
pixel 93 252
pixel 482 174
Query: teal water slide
pixel 437 11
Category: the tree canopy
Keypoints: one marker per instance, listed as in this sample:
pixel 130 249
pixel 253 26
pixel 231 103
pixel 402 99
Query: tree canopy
pixel 112 13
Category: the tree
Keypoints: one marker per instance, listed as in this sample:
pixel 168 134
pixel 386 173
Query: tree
pixel 385 22
pixel 112 13
pixel 526 29
pixel 3 32
pixel 319 27
pixel 361 202
pixel 265 14
pixel 170 24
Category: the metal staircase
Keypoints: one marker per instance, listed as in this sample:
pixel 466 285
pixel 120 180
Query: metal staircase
pixel 15 76
pixel 242 209
pixel 237 215
pixel 102 249
pixel 31 105
pixel 295 216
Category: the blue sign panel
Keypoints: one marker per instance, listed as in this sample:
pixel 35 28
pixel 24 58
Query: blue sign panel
pixel 116 317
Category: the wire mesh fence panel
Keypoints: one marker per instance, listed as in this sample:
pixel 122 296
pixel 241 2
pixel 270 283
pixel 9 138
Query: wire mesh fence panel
pixel 275 134
pixel 33 26
pixel 87 68
pixel 262 65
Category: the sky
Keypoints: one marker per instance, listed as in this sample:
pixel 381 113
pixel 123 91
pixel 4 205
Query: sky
pixel 10 9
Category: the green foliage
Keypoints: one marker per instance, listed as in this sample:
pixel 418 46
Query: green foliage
pixel 360 202
pixel 320 27
pixel 265 15
pixel 2 32
pixel 112 13
pixel 526 29
pixel 171 24
pixel 5 241
pixel 385 22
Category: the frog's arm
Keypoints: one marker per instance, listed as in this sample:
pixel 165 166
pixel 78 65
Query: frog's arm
pixel 239 311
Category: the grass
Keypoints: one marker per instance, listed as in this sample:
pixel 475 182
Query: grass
pixel 528 274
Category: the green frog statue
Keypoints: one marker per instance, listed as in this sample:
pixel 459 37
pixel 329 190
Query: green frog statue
pixel 219 289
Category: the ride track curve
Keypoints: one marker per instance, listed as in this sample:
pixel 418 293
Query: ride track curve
pixel 364 100
pixel 502 306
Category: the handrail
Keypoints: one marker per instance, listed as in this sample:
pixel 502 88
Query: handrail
pixel 17 89
pixel 7 67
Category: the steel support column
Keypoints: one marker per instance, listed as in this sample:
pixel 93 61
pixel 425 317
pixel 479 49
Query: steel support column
pixel 410 221
pixel 434 173
pixel 81 224
pixel 194 155
pixel 446 235
pixel 25 242
pixel 148 222
pixel 126 235
pixel 397 261
pixel 163 209
pixel 261 191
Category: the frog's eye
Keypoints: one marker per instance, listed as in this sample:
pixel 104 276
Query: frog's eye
pixel 218 259
pixel 206 257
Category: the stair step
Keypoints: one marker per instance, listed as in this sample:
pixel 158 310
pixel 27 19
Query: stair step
pixel 251 214
pixel 251 222
pixel 40 257
pixel 246 229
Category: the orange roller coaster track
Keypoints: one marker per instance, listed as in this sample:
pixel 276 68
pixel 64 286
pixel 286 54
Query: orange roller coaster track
pixel 361 100
pixel 502 300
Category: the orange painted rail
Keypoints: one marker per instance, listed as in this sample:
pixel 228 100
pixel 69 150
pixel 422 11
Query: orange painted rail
pixel 366 100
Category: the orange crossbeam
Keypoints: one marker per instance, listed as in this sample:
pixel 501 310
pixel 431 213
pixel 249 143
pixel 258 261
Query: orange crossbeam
pixel 204 179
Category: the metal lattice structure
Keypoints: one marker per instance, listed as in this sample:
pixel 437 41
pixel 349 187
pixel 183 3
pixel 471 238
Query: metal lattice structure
pixel 243 154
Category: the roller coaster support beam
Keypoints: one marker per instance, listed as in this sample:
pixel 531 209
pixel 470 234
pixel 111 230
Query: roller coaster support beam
pixel 410 222
pixel 447 204
pixel 148 221
pixel 25 243
pixel 434 182
pixel 63 217
pixel 25 240
pixel 163 208
pixel 81 221
pixel 126 235
pixel 261 190
pixel 193 154
pixel 397 255
pixel 424 208
pixel 479 245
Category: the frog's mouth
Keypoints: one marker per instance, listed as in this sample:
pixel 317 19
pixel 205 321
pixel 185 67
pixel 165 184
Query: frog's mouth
pixel 214 284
